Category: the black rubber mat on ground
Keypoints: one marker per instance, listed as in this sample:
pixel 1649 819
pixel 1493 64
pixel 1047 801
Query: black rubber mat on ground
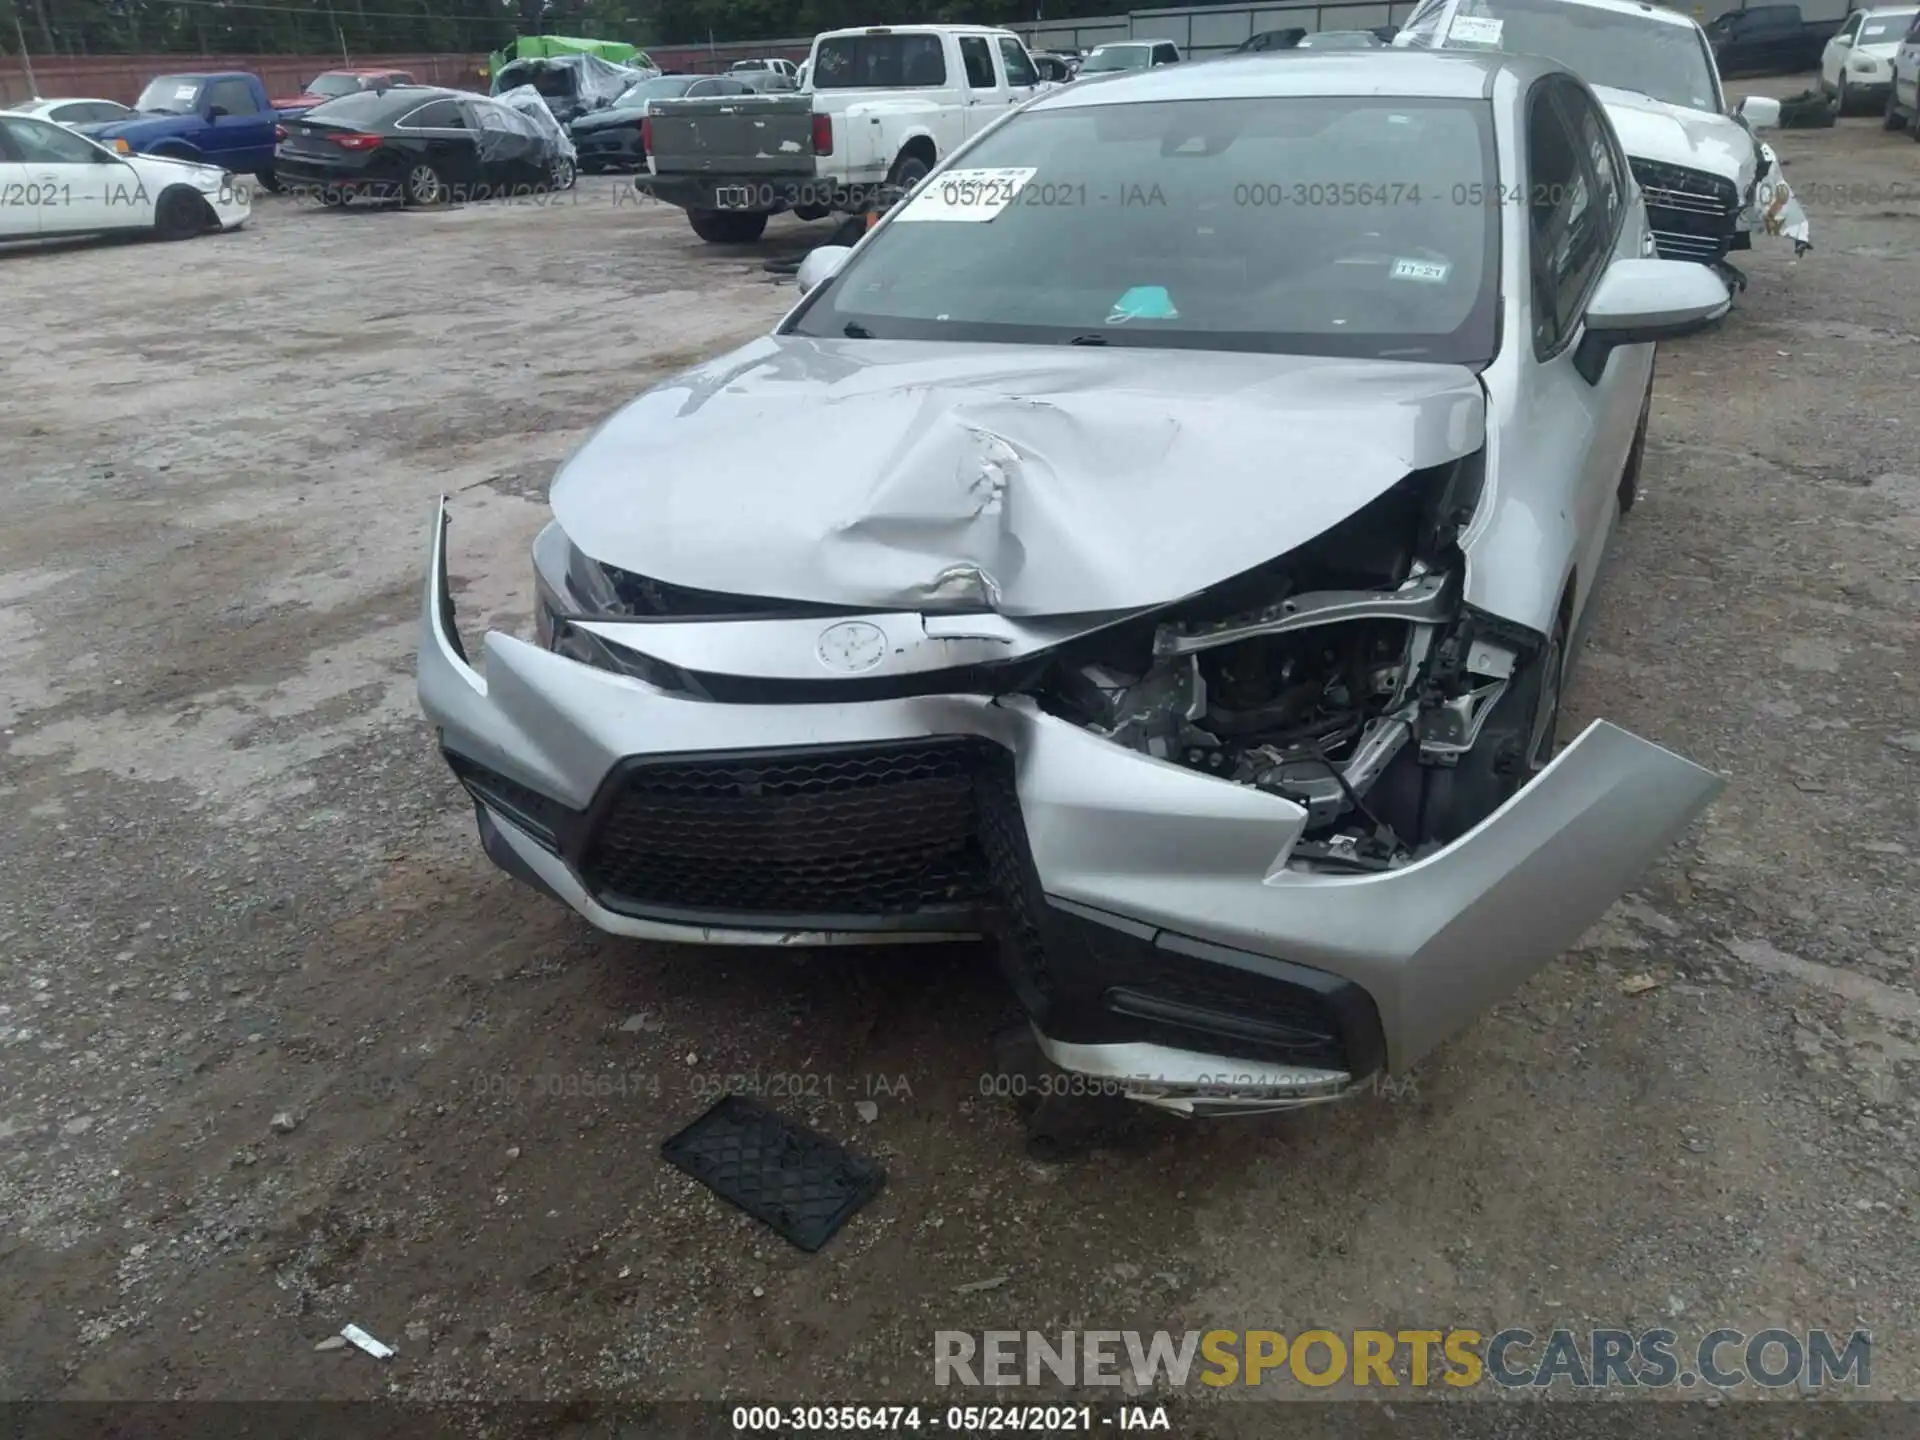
pixel 799 1182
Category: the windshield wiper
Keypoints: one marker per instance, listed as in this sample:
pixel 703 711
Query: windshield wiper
pixel 856 331
pixel 1088 340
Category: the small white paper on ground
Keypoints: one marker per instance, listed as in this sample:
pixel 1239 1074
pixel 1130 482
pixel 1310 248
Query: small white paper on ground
pixel 367 1343
pixel 1475 30
pixel 967 194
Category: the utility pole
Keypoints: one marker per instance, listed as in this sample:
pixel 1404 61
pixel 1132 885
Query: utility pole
pixel 26 60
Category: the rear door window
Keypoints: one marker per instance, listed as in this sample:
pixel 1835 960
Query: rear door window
pixel 436 115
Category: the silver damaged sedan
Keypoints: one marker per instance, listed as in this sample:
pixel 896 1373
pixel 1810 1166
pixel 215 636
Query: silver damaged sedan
pixel 1159 546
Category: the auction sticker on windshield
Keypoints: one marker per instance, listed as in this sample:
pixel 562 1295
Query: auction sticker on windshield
pixel 967 194
pixel 1475 30
pixel 1430 271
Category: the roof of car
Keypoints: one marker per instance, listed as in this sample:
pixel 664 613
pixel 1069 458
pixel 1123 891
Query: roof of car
pixel 1414 74
pixel 1641 8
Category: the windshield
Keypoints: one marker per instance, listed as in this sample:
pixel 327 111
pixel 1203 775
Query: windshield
pixel 661 87
pixel 1886 29
pixel 1342 40
pixel 1310 226
pixel 169 95
pixel 1120 57
pixel 1655 58
pixel 333 84
pixel 858 62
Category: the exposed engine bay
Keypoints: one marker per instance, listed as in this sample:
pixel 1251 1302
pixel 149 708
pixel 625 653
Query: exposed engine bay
pixel 1344 676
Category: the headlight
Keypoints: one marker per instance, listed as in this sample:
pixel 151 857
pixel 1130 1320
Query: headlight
pixel 594 591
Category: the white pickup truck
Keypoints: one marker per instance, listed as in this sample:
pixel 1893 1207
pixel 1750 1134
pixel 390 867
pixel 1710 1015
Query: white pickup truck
pixel 883 105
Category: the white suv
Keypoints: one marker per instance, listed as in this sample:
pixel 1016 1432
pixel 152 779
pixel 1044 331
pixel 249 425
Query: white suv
pixel 1903 93
pixel 1856 68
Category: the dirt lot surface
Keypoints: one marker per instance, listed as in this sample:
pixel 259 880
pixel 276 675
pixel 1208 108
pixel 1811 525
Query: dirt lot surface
pixel 280 1050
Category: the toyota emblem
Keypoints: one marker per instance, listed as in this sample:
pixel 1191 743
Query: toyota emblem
pixel 852 646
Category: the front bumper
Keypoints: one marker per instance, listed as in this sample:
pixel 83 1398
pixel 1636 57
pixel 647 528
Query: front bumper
pixel 1148 918
pixel 231 201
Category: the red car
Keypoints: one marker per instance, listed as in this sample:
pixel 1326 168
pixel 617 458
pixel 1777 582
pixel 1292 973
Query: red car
pixel 332 84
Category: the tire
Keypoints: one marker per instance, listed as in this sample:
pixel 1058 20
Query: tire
pixel 1636 453
pixel 268 181
pixel 423 184
pixel 908 171
pixel 727 227
pixel 1842 101
pixel 564 174
pixel 1890 117
pixel 179 215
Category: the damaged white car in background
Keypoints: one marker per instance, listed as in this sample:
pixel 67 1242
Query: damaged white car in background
pixel 1167 575
pixel 1709 182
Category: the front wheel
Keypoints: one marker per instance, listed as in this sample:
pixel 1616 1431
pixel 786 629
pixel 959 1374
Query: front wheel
pixel 269 182
pixel 424 185
pixel 727 227
pixel 1842 102
pixel 1890 117
pixel 180 215
pixel 563 174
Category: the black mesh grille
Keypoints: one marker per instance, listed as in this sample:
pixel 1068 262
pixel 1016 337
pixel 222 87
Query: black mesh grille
pixel 1019 900
pixel 871 831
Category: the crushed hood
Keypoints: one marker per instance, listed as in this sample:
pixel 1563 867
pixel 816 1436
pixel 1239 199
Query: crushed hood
pixel 1032 480
pixel 1651 129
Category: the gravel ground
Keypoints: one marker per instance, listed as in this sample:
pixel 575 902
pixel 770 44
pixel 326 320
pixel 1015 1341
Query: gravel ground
pixel 279 1050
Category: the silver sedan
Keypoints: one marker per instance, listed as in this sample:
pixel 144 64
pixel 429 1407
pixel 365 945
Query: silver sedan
pixel 1160 546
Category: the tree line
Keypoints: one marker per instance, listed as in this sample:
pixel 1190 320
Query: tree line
pixel 373 27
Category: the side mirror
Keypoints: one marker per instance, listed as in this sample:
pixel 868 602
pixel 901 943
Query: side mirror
pixel 820 266
pixel 215 112
pixel 1639 302
pixel 1761 112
